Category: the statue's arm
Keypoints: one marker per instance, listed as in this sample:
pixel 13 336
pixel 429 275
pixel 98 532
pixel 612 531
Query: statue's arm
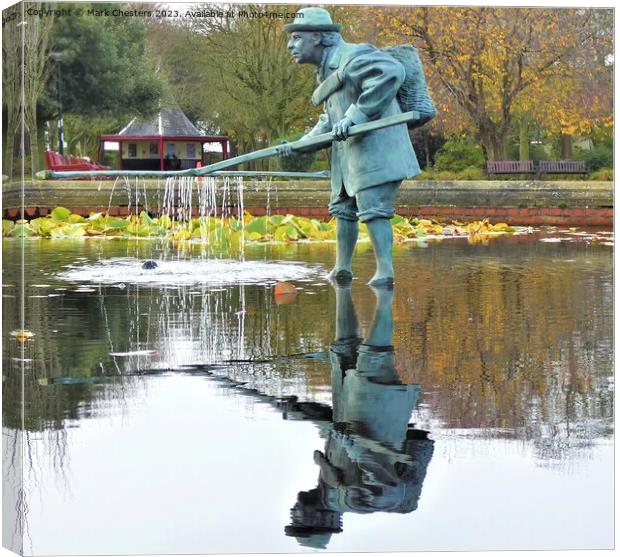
pixel 378 76
pixel 322 126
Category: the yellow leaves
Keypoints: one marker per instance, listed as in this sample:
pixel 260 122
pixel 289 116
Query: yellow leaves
pixel 484 227
pixel 483 56
pixel 164 221
pixel 181 235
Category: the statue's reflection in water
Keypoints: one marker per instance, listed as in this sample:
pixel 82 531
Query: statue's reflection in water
pixel 374 460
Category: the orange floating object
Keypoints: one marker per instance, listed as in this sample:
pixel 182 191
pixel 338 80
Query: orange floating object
pixel 285 293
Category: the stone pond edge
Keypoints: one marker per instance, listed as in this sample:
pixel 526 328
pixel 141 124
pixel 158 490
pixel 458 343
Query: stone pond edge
pixel 535 202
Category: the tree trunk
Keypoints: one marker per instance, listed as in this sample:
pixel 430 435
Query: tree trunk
pixel 524 141
pixel 12 40
pixel 566 146
pixel 9 153
pixel 494 145
pixel 31 124
pixel 37 70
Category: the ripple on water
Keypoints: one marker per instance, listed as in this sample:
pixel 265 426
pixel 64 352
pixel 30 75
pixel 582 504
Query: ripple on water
pixel 190 272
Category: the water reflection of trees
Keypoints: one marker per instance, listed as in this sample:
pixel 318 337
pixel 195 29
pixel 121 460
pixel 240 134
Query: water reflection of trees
pixel 516 342
pixel 70 348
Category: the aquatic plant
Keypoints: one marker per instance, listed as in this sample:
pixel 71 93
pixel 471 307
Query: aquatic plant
pixel 61 223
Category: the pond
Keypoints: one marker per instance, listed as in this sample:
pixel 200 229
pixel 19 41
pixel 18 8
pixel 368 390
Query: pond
pixel 470 409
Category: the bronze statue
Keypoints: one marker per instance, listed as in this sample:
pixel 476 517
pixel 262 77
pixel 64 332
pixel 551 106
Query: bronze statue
pixel 357 83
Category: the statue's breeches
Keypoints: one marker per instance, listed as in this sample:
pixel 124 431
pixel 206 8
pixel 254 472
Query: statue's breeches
pixel 368 204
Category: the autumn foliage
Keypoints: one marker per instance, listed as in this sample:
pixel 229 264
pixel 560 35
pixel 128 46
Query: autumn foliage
pixel 488 66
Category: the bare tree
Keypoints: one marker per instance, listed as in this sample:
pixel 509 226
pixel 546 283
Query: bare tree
pixel 11 81
pixel 37 70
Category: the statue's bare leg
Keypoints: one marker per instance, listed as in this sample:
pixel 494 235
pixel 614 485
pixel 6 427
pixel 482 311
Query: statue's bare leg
pixel 380 232
pixel 346 239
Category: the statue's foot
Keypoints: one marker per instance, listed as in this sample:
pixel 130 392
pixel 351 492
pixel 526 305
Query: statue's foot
pixel 341 276
pixel 379 281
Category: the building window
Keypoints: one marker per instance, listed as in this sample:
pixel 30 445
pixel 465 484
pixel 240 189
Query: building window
pixel 191 150
pixel 132 150
pixel 170 149
pixel 153 149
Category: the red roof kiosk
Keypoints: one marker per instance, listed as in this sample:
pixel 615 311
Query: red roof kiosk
pixel 168 142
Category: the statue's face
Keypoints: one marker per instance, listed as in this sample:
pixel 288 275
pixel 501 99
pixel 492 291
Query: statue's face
pixel 306 48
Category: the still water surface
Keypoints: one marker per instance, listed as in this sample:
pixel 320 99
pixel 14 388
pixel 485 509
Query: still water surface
pixel 469 410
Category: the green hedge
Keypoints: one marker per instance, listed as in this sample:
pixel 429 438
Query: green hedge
pixel 457 155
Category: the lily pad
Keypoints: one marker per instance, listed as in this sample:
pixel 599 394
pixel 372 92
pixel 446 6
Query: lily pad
pixel 258 225
pixel 115 222
pixel 286 232
pixel 22 230
pixel 8 228
pixel 68 231
pixel 60 214
pixel 43 226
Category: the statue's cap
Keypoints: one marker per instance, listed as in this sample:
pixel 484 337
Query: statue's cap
pixel 312 19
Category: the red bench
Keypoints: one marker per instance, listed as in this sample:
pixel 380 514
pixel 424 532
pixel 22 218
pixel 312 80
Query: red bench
pixel 70 163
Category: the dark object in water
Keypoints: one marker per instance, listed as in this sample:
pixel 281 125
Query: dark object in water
pixel 149 264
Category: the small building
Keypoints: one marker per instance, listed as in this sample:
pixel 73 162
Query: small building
pixel 169 141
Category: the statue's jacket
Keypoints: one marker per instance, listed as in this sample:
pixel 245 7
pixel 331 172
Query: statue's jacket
pixel 361 82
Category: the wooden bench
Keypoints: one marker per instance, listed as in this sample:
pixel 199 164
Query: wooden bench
pixel 70 163
pixel 562 167
pixel 510 167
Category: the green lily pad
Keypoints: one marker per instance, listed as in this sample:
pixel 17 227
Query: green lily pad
pixel 145 219
pixel 68 231
pixel 43 226
pixel 22 230
pixel 286 233
pixel 8 228
pixel 253 236
pixel 235 224
pixel 140 230
pixel 115 222
pixel 258 225
pixel 61 214
pixel 276 219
